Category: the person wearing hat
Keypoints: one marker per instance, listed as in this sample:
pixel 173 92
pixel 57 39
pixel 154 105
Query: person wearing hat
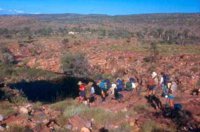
pixel 82 94
pixel 102 85
pixel 91 93
pixel 113 87
pixel 129 85
pixel 151 86
pixel 154 75
pixel 171 95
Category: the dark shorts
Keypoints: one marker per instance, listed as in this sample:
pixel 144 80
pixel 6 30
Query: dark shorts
pixel 82 93
pixel 103 90
pixel 152 87
pixel 91 99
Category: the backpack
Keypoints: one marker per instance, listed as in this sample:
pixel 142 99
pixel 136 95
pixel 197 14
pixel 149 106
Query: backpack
pixel 120 85
pixel 102 85
pixel 151 82
pixel 178 107
pixel 117 95
pixel 92 90
pixel 129 85
pixel 108 83
pixel 132 80
pixel 166 79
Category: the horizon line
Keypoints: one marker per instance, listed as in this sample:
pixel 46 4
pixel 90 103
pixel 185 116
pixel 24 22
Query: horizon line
pixel 86 14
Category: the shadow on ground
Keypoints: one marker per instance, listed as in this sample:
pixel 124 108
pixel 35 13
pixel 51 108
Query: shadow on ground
pixel 51 90
pixel 183 119
pixel 154 102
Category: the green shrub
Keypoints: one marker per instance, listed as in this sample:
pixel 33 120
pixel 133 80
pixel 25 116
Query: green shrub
pixel 6 109
pixel 75 65
pixel 16 128
pixel 125 127
pixel 73 110
pixel 150 126
pixel 18 73
pixel 102 116
pixel 141 108
pixel 18 99
pixel 37 105
pixel 62 105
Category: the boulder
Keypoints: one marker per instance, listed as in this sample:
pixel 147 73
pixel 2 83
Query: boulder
pixel 1 117
pixel 84 129
pixel 69 126
pixel 23 110
pixel 1 129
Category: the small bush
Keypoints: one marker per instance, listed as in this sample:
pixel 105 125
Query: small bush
pixel 150 126
pixel 73 110
pixel 141 108
pixel 100 116
pixel 19 99
pixel 37 105
pixel 7 56
pixel 6 109
pixel 62 105
pixel 16 128
pixel 125 127
pixel 65 41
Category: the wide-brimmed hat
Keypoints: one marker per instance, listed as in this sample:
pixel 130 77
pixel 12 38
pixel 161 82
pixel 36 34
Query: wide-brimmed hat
pixel 154 74
pixel 80 83
pixel 113 85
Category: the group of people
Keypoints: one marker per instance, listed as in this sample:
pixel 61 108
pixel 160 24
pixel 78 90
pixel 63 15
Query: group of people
pixel 165 84
pixel 107 88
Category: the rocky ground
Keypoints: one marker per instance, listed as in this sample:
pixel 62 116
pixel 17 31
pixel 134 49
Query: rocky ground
pixel 133 110
pixel 112 58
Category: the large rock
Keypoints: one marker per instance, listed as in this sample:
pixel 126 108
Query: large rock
pixel 1 117
pixel 23 110
pixel 84 129
pixel 1 129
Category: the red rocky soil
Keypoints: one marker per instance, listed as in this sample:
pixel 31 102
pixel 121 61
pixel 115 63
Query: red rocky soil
pixel 47 56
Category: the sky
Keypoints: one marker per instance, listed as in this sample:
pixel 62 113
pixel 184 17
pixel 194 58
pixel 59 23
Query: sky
pixel 109 7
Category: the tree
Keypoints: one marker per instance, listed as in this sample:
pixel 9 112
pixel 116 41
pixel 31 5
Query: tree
pixel 153 52
pixel 44 31
pixel 76 65
pixel 7 56
pixel 160 32
pixel 26 31
pixel 65 41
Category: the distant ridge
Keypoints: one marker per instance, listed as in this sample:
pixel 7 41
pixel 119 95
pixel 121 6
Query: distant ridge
pixel 14 13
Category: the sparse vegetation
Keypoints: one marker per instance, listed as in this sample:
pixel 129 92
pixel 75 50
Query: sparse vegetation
pixel 73 110
pixel 6 108
pixel 99 47
pixel 16 128
pixel 19 99
pixel 150 126
pixel 141 108
pixel 124 127
pixel 76 65
pixel 18 73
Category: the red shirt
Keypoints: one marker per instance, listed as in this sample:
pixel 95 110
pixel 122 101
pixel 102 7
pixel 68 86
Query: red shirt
pixel 82 87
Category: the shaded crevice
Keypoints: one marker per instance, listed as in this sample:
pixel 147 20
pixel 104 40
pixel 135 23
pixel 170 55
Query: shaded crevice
pixel 50 90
